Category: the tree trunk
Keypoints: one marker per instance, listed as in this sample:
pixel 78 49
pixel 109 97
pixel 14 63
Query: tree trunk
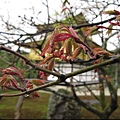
pixel 18 107
pixel 19 104
pixel 116 74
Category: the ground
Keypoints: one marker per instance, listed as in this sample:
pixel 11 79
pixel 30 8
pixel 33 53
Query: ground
pixel 37 108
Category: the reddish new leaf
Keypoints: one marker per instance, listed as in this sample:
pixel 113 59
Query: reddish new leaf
pixel 29 84
pixel 12 71
pixel 48 58
pixel 73 32
pixel 15 84
pixel 8 80
pixel 35 94
pixel 62 37
pixel 83 47
pixel 50 43
pixel 74 35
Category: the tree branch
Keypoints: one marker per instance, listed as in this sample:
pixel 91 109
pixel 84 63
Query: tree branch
pixel 92 67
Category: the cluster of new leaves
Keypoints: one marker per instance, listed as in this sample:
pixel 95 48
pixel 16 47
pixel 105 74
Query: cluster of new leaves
pixel 7 80
pixel 64 44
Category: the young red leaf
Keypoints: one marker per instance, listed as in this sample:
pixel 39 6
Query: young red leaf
pixel 42 74
pixel 62 37
pixel 29 84
pixel 83 47
pixel 12 71
pixel 8 80
pixel 15 84
pixel 74 35
pixel 50 42
pixel 35 94
pixel 73 32
pixel 45 48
